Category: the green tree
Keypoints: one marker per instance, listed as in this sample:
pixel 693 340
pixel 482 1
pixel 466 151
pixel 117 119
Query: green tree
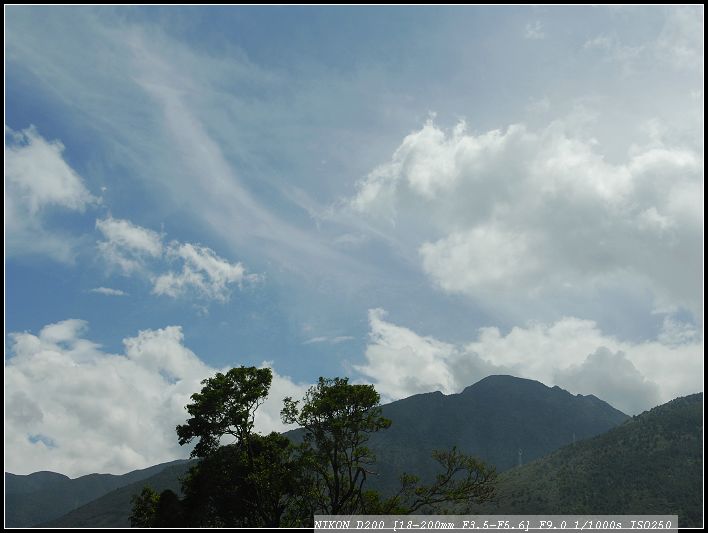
pixel 267 481
pixel 144 508
pixel 230 489
pixel 168 511
pixel 251 482
pixel 226 405
pixel 337 418
pixel 463 480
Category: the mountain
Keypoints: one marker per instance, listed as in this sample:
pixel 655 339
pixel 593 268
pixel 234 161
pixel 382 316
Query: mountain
pixel 113 509
pixel 651 464
pixel 491 419
pixel 42 496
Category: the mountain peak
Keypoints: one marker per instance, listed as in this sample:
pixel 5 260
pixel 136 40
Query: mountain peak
pixel 503 380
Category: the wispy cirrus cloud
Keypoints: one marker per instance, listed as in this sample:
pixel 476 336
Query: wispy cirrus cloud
pixel 329 340
pixel 107 291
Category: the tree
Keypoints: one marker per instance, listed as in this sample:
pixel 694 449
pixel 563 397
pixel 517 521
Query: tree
pixel 337 418
pixel 268 481
pixel 226 405
pixel 229 489
pixel 464 480
pixel 144 508
pixel 168 512
pixel 250 482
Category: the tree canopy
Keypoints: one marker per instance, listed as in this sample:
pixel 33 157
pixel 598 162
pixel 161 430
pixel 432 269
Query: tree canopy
pixel 270 480
pixel 226 405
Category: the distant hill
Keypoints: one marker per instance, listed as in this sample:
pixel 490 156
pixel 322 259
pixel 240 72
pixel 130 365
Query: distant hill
pixel 113 509
pixel 652 464
pixel 491 419
pixel 42 496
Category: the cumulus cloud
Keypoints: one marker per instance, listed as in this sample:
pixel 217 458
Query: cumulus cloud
pixel 401 363
pixel 521 213
pixel 76 409
pixel 612 377
pixel 571 353
pixel 133 249
pixel 37 181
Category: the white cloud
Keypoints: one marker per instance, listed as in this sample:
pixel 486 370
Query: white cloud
pixel 107 291
pixel 681 40
pixel 76 409
pixel 678 45
pixel 134 249
pixel 37 168
pixel 329 340
pixel 602 42
pixel 613 378
pixel 512 214
pixel 571 353
pixel 37 180
pixel 401 363
pixel 202 270
pixel 534 31
pixel 127 245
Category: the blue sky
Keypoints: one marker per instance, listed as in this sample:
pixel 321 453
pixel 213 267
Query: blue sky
pixel 414 197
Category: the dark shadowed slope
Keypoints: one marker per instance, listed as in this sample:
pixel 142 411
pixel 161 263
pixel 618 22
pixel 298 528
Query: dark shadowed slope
pixel 652 464
pixel 113 509
pixel 492 419
pixel 42 496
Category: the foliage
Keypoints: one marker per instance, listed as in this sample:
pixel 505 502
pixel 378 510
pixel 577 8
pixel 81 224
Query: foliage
pixel 229 489
pixel 651 464
pixel 168 512
pixel 226 405
pixel 337 418
pixel 144 508
pixel 463 480
pixel 268 481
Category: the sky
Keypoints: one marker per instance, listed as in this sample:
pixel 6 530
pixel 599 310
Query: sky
pixel 414 197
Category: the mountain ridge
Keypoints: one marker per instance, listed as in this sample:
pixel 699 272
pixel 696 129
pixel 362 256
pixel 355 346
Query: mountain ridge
pixel 41 496
pixel 482 420
pixel 650 464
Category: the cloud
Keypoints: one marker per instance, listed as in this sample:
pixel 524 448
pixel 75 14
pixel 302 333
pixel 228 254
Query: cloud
pixel 521 213
pixel 401 363
pixel 202 270
pixel 134 249
pixel 678 45
pixel 534 31
pixel 126 245
pixel 76 409
pixel 681 40
pixel 571 353
pixel 108 291
pixel 613 378
pixel 38 181
pixel 329 340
